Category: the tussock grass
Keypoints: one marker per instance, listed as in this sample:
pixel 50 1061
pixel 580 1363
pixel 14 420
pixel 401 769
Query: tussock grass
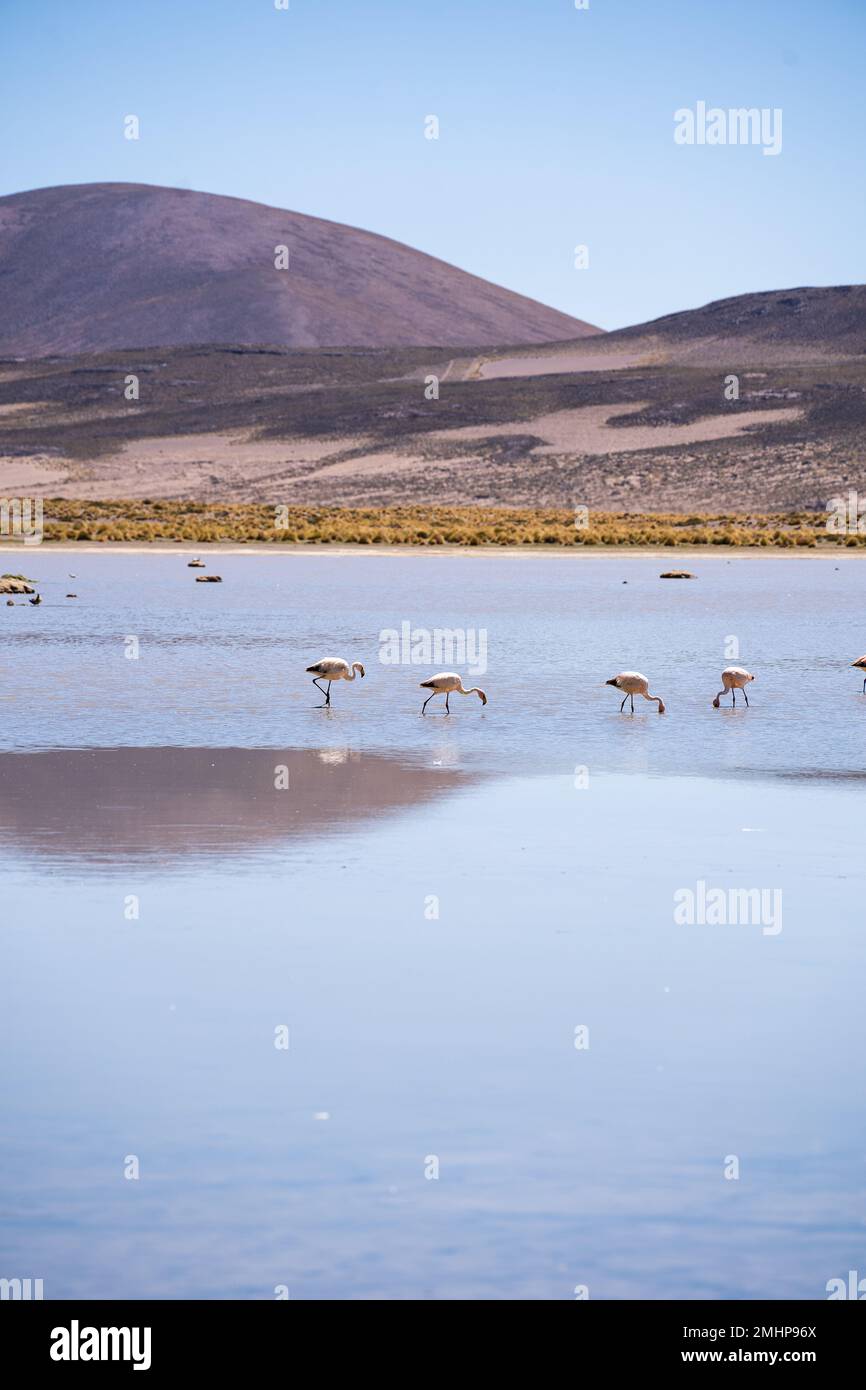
pixel 201 522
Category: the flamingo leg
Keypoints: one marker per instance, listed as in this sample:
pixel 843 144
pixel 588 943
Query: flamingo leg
pixel 447 709
pixel 427 701
pixel 625 697
pixel 746 698
pixel 733 697
pixel 326 693
pixel 631 697
pixel 864 687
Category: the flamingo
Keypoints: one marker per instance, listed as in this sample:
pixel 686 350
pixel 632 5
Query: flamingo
pixel 633 683
pixel 445 683
pixel 734 678
pixel 862 664
pixel 333 668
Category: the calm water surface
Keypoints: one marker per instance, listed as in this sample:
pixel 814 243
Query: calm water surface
pixel 552 834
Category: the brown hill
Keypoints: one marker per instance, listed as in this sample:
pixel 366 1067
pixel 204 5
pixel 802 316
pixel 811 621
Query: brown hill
pixel 95 267
pixel 811 320
pixel 355 428
pixel 766 329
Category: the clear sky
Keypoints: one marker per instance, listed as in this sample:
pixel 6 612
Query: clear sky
pixel 556 129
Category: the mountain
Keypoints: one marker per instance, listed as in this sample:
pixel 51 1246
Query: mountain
pixel 97 267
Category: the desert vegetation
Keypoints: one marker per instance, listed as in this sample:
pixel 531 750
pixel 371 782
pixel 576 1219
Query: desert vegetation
pixel 238 523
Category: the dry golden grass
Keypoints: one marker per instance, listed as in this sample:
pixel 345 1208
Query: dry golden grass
pixel 200 522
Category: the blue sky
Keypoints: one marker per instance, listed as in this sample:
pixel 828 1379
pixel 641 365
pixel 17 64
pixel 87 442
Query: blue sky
pixel 556 129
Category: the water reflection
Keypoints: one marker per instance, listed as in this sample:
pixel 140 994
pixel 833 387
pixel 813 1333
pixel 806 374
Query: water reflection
pixel 109 804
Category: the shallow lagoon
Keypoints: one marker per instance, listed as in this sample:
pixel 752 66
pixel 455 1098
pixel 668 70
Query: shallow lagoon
pixel 422 1036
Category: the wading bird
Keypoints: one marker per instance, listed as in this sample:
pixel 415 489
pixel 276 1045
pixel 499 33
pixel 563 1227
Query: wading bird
pixel 333 668
pixel 633 683
pixel 862 665
pixel 734 678
pixel 446 683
